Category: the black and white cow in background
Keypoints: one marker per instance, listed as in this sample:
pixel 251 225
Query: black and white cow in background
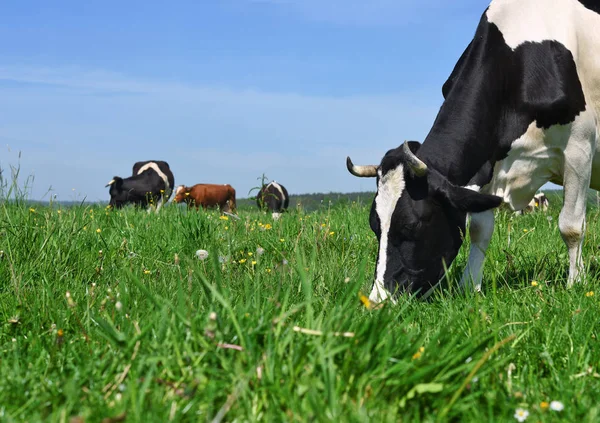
pixel 152 183
pixel 273 197
pixel 538 202
pixel 521 108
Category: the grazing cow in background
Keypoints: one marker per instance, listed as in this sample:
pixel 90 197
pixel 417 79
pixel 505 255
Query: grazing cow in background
pixel 273 197
pixel 207 195
pixel 521 108
pixel 152 183
pixel 538 202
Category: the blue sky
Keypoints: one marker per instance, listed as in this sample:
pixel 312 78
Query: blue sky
pixel 223 90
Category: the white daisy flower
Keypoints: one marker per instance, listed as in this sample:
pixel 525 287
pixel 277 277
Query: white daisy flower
pixel 557 406
pixel 521 414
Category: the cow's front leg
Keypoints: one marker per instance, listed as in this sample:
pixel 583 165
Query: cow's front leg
pixel 480 232
pixel 571 221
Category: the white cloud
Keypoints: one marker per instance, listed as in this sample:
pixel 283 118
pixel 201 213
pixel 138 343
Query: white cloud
pixel 362 12
pixel 82 127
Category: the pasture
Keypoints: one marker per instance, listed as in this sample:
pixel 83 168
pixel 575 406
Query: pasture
pixel 111 316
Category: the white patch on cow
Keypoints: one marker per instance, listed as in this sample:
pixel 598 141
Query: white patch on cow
pixel 160 173
pixel 522 21
pixel 533 159
pixel 278 188
pixel 564 154
pixel 389 190
pixel 565 21
pixel 178 190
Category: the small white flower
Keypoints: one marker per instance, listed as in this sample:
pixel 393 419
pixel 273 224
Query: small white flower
pixel 118 397
pixel 468 360
pixel 475 379
pixel 202 254
pixel 223 259
pixel 14 339
pixel 212 315
pixel 521 414
pixel 284 262
pixel 276 216
pixel 118 305
pixel 557 406
pixel 260 251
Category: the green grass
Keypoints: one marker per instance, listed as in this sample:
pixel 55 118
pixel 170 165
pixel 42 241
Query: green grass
pixel 151 333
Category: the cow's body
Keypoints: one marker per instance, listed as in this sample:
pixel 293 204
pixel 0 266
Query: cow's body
pixel 274 197
pixel 207 195
pixel 521 108
pixel 151 184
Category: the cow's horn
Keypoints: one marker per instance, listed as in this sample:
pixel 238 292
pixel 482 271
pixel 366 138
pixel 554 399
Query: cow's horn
pixel 417 166
pixel 110 183
pixel 368 171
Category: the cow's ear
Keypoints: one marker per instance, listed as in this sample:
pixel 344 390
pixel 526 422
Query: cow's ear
pixel 118 184
pixel 464 199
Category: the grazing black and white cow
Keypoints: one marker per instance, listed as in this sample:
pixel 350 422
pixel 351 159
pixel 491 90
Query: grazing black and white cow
pixel 538 202
pixel 152 183
pixel 273 197
pixel 521 107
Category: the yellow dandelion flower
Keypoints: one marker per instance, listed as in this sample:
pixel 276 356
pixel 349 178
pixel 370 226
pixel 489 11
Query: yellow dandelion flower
pixel 268 226
pixel 98 230
pixel 226 228
pixel 250 253
pixel 323 225
pixel 534 283
pixel 58 211
pixel 253 262
pixel 242 261
pixel 268 270
pixel 544 405
pixel 525 230
pixel 85 228
pixel 365 300
pixel 224 217
pixel 147 272
pixel 281 239
pixel 589 294
pixel 331 233
pixel 60 333
pixel 416 355
pixel 31 210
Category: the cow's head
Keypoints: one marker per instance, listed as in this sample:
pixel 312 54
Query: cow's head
pixel 182 193
pixel 418 217
pixel 118 197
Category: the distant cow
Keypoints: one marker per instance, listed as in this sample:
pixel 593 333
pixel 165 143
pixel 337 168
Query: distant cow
pixel 152 183
pixel 207 195
pixel 273 197
pixel 538 202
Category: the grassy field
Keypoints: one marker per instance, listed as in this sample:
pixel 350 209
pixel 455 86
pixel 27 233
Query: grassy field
pixel 111 316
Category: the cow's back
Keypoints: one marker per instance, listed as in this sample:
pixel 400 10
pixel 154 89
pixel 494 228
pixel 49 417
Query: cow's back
pixel 162 168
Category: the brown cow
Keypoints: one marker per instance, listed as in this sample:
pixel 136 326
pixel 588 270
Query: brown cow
pixel 207 195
